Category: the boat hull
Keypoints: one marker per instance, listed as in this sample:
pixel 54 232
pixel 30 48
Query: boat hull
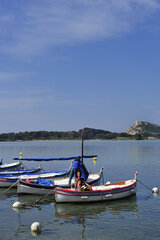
pixel 5 182
pixel 10 166
pixel 98 193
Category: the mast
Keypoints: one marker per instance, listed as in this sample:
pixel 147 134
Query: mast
pixel 82 145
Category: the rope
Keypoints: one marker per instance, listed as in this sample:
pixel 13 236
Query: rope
pixel 144 185
pixel 24 165
pixel 10 186
pixel 43 197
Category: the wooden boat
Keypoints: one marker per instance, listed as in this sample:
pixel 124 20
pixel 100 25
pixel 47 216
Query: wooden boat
pixel 10 166
pixel 6 181
pixel 111 191
pixel 46 187
pixel 19 172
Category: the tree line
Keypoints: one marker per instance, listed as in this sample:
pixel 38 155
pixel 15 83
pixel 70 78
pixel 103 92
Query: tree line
pixel 88 134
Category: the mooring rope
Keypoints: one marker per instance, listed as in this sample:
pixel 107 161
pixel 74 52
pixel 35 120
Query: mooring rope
pixel 10 186
pixel 24 165
pixel 43 197
pixel 144 185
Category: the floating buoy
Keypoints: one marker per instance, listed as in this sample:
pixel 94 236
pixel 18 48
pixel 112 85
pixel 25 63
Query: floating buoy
pixel 36 227
pixel 155 190
pixel 94 160
pixel 107 183
pixel 17 205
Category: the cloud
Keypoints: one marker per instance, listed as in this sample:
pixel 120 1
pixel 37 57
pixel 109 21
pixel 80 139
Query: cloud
pixel 8 76
pixel 148 107
pixel 37 26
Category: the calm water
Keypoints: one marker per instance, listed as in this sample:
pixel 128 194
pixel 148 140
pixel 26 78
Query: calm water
pixel 134 218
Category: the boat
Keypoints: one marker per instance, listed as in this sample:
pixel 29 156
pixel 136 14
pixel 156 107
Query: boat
pixel 19 172
pixel 10 166
pixel 111 191
pixel 7 181
pixel 43 186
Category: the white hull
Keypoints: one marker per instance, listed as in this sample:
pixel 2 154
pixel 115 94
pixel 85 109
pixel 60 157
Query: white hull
pixel 99 193
pixel 6 183
pixel 24 189
pixel 10 166
pixel 27 188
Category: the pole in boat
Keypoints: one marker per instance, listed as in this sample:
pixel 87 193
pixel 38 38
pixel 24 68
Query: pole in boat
pixel 82 144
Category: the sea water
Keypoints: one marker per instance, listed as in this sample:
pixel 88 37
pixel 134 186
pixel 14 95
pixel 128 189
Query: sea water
pixel 137 217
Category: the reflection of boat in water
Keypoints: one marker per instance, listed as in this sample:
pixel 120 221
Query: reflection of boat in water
pixel 91 210
pixel 7 194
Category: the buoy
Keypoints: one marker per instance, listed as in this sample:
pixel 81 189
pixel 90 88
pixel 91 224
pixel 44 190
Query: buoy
pixel 36 227
pixel 155 190
pixel 107 183
pixel 94 160
pixel 17 205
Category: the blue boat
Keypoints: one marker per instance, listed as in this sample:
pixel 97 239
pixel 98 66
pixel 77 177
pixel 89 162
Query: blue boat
pixel 20 172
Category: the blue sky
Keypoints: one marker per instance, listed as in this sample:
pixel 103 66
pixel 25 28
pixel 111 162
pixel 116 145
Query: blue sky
pixel 66 65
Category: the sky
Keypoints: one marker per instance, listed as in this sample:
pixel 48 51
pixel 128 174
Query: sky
pixel 66 65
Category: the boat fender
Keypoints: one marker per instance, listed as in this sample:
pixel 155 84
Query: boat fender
pixel 107 183
pixel 28 181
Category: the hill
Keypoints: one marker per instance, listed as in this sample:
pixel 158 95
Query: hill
pixel 138 131
pixel 145 129
pixel 88 133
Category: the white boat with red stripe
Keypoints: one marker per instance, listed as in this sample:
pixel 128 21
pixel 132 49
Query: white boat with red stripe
pixel 105 192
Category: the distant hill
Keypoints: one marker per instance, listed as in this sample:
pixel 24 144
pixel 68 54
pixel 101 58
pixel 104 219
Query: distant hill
pixel 140 130
pixel 145 129
pixel 88 134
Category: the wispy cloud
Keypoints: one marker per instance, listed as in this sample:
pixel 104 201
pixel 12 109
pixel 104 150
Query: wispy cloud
pixel 148 107
pixel 32 29
pixel 15 103
pixel 8 76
